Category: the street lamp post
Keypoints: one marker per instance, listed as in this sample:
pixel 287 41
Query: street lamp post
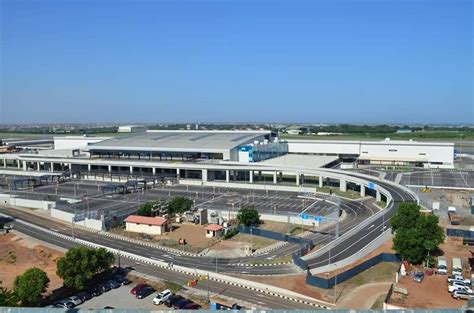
pixel 335 284
pixel 251 240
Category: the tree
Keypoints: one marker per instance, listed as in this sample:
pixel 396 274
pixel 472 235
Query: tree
pixel 406 217
pixel 417 235
pixel 146 209
pixel 7 297
pixel 179 205
pixel 30 286
pixel 80 264
pixel 248 216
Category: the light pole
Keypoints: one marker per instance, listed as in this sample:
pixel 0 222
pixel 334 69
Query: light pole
pixel 208 298
pixel 251 240
pixel 335 284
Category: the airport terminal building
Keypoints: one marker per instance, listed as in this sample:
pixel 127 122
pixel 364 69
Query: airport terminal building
pixel 205 154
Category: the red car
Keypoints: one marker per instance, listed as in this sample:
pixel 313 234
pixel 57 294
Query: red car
pixel 137 288
pixel 192 306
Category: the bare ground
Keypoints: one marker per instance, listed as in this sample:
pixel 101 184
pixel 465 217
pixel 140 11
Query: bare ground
pixel 17 254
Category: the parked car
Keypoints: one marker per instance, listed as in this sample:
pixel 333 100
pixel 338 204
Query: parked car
pixel 457 286
pixel 192 306
pixel 75 299
pixel 458 278
pixel 95 291
pixel 461 294
pixel 418 277
pixel 162 297
pixel 172 300
pixel 105 287
pixel 64 304
pixel 84 296
pixel 179 305
pixel 113 284
pixel 137 288
pixel 145 292
pixel 122 280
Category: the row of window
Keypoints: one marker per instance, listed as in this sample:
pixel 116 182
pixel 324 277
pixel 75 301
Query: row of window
pixel 395 150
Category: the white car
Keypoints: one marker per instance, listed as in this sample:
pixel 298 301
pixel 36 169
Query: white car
pixel 458 278
pixel 75 299
pixel 460 294
pixel 456 286
pixel 162 297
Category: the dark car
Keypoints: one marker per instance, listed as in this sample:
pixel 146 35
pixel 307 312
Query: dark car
pixel 418 277
pixel 137 288
pixel 179 305
pixel 113 284
pixel 145 292
pixel 122 280
pixel 64 304
pixel 192 306
pixel 84 296
pixel 172 300
pixel 105 287
pixel 95 291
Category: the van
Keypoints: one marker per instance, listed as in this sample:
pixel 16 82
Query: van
pixel 442 266
pixel 452 209
pixel 162 297
pixel 457 267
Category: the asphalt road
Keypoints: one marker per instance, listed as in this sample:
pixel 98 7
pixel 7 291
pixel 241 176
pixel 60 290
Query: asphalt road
pixel 440 178
pixel 260 299
pixel 364 236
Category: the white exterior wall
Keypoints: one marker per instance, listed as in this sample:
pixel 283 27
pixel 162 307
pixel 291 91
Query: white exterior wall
pixel 385 151
pixel 144 228
pixel 408 152
pixel 72 142
pixel 323 147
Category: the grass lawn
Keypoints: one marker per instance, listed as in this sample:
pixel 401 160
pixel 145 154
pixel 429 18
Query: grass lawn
pixel 274 226
pixel 257 242
pixel 384 271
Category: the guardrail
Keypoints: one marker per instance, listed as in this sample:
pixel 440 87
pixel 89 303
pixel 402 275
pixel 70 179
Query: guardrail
pixel 229 280
pixel 374 244
pixel 349 233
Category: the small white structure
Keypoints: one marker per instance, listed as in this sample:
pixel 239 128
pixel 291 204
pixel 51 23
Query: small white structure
pixel 214 230
pixel 132 129
pixel 75 142
pixel 146 225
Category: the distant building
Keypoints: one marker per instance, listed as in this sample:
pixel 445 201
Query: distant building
pixel 214 230
pixel 294 130
pixel 146 225
pixel 132 129
pixel 328 134
pixel 404 131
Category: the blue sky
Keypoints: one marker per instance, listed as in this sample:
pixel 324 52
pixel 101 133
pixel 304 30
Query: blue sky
pixel 237 61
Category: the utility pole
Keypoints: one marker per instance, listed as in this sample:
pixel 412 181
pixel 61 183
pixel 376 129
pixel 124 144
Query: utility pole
pixel 208 297
pixel 335 285
pixel 251 240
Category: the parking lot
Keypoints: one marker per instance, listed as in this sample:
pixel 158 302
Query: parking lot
pixel 121 298
pixel 93 203
pixel 442 178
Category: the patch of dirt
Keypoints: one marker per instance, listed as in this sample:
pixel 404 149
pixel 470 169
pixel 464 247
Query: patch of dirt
pixel 17 255
pixel 458 198
pixel 430 294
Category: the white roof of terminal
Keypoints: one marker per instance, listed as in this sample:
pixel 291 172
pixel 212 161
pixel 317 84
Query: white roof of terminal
pixel 301 160
pixel 180 140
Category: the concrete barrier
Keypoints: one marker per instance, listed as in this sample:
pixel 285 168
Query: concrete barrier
pixel 26 203
pixel 229 280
